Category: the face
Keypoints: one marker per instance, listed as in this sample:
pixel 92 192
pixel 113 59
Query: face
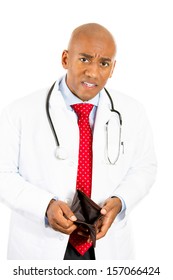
pixel 89 63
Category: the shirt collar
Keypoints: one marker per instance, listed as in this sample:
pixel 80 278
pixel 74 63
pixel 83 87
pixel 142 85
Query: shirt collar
pixel 71 99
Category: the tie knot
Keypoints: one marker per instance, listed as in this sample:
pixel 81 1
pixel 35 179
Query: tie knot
pixel 82 109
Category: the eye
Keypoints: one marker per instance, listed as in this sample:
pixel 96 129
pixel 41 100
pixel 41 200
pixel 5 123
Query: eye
pixel 104 64
pixel 84 59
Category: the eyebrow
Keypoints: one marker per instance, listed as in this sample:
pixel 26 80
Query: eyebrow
pixel 90 56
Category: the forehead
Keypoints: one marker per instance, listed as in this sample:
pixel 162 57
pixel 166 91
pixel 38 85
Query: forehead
pixel 94 45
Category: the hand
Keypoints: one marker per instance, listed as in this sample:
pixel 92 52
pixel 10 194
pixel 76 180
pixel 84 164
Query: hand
pixel 60 217
pixel 109 211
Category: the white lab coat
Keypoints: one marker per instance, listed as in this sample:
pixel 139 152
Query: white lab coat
pixel 30 174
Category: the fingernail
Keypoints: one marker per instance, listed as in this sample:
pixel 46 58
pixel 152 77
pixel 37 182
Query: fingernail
pixel 73 218
pixel 103 211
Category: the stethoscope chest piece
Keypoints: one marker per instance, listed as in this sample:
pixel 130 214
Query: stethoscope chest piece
pixel 61 153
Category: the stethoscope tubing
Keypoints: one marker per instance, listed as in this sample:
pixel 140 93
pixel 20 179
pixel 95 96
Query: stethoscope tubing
pixel 55 134
pixel 49 117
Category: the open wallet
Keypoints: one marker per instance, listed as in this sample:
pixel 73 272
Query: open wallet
pixel 87 213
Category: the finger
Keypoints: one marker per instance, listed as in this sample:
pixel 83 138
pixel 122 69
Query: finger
pixel 67 211
pixel 102 232
pixel 59 222
pixel 68 230
pixel 56 215
pixel 106 207
pixel 111 203
pixel 57 218
pixel 63 222
pixel 106 223
pixel 104 211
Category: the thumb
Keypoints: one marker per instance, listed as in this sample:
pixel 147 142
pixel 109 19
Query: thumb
pixel 110 203
pixel 106 207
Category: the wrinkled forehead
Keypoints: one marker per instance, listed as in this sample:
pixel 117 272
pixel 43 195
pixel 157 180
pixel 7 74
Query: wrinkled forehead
pixel 93 42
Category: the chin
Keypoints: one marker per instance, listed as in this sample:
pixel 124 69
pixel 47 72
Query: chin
pixel 86 98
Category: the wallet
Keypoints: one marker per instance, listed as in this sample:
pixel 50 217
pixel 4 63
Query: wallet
pixel 87 213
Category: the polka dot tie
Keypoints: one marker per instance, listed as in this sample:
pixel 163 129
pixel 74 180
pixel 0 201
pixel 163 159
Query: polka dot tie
pixel 84 173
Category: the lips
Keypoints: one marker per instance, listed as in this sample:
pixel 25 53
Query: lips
pixel 89 85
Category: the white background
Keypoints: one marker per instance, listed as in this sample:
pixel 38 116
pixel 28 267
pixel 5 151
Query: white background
pixel 33 34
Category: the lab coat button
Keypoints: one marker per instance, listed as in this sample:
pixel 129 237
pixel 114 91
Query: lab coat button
pixel 71 163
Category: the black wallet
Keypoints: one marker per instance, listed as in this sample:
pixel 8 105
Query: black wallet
pixel 87 213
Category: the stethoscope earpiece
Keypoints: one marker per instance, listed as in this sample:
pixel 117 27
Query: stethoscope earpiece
pixel 61 153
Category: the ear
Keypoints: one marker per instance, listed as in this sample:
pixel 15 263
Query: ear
pixel 64 59
pixel 112 70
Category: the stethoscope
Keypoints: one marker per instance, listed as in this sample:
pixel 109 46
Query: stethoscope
pixel 61 153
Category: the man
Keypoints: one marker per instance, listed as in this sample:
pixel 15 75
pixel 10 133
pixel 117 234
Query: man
pixel 39 187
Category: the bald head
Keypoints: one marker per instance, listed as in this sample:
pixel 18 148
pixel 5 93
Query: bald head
pixel 89 31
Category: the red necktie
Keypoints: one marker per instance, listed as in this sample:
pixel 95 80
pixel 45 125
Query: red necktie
pixel 84 173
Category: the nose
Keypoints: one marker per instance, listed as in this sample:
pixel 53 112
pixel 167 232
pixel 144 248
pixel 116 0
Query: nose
pixel 92 70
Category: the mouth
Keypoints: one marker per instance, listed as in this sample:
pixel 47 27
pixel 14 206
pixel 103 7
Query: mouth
pixel 89 85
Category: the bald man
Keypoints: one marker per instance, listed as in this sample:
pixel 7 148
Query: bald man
pixel 39 186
